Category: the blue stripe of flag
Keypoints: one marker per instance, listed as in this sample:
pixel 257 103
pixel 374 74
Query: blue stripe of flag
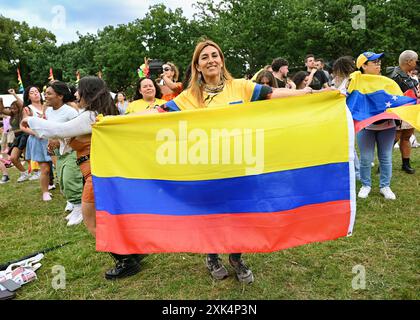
pixel 270 192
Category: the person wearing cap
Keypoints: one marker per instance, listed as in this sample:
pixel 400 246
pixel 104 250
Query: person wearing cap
pixel 381 133
pixel 407 63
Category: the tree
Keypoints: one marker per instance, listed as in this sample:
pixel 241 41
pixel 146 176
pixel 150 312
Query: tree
pixel 26 48
pixel 251 34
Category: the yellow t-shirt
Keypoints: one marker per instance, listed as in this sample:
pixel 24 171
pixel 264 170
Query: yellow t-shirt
pixel 141 105
pixel 234 92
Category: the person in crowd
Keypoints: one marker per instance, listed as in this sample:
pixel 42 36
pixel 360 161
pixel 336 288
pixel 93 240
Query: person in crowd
pixel 7 136
pixel 148 95
pixel 34 171
pixel 5 173
pixel 280 68
pixel 342 68
pixel 317 79
pixel 36 148
pixel 4 133
pixel 57 95
pixel 407 63
pixel 169 85
pixel 381 133
pixel 300 79
pixel 19 143
pixel 73 91
pixel 267 78
pixel 320 65
pixel 94 99
pixel 212 85
pixel 122 102
pixel 415 74
pixel 268 67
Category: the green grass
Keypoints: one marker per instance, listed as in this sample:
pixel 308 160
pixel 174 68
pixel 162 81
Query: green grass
pixel 386 241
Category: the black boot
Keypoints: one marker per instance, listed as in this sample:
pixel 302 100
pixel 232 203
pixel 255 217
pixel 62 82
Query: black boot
pixel 406 166
pixel 126 265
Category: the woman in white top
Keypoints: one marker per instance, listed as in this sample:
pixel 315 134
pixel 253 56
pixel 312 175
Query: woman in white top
pixel 342 68
pixel 36 148
pixel 122 102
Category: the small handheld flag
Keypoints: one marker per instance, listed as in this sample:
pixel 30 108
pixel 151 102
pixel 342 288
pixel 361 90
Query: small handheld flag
pixel 51 77
pixel 77 77
pixel 21 89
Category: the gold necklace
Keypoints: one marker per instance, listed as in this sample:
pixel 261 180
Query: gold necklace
pixel 212 90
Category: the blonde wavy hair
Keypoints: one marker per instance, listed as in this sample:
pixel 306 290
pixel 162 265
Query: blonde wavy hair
pixel 174 69
pixel 196 86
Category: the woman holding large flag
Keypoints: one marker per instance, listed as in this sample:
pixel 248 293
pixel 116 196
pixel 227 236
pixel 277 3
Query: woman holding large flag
pixel 94 99
pixel 212 85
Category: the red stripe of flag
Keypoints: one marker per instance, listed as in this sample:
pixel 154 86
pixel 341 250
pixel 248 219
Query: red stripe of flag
pixel 249 232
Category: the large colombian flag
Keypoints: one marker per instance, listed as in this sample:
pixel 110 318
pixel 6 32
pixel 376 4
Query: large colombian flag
pixel 257 177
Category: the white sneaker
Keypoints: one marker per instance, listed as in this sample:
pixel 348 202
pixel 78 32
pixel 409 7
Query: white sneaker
pixel 364 192
pixel 69 216
pixel 46 196
pixel 35 176
pixel 51 187
pixel 69 207
pixel 23 177
pixel 76 215
pixel 387 193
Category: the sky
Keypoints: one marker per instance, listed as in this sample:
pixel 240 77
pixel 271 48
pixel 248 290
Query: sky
pixel 65 17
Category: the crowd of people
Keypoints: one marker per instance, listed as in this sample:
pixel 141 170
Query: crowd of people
pixel 56 133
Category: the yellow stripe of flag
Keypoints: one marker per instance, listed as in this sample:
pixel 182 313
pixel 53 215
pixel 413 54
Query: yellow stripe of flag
pixel 410 114
pixel 367 83
pixel 297 132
